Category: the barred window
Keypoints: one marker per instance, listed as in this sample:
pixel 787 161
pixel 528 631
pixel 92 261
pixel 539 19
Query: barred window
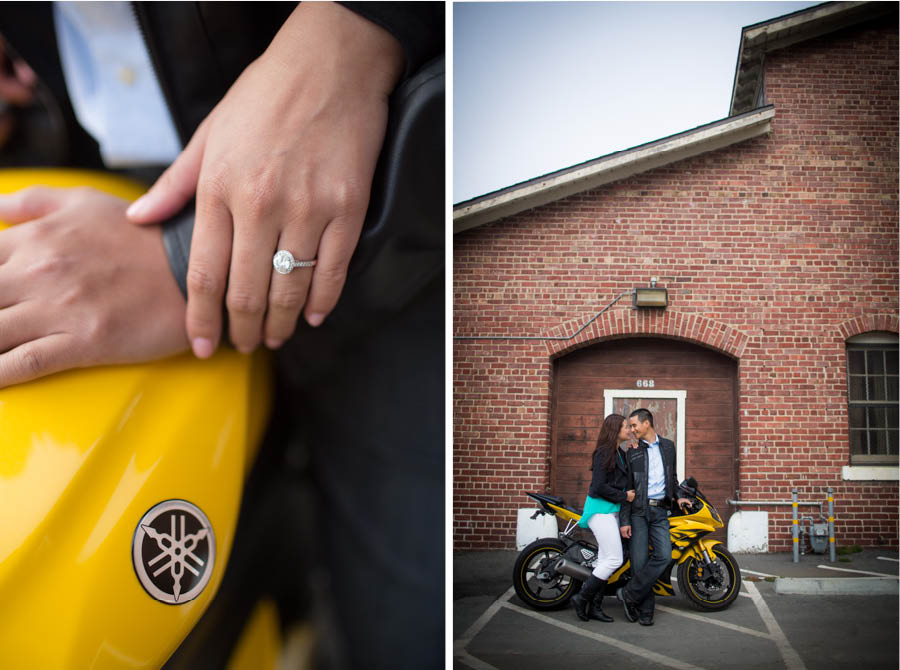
pixel 872 369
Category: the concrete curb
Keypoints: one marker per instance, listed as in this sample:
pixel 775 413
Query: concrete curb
pixel 837 586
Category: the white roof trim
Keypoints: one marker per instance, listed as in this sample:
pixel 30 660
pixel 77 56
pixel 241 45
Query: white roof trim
pixel 617 166
pixel 774 29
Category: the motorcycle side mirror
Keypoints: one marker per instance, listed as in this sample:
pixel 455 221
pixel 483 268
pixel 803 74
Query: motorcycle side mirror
pixel 690 481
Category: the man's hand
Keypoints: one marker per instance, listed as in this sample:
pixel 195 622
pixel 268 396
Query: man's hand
pixel 284 161
pixel 81 288
pixel 682 502
pixel 625 531
pixel 629 495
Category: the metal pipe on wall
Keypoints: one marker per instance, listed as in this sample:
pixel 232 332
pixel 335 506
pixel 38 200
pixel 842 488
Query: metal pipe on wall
pixel 777 502
pixel 795 521
pixel 795 526
pixel 831 548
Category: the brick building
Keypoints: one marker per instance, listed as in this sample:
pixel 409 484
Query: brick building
pixel 774 232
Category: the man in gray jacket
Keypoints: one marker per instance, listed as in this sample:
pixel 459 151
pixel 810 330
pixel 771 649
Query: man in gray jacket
pixel 651 473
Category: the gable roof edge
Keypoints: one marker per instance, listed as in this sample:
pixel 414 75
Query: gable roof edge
pixel 763 38
pixel 613 167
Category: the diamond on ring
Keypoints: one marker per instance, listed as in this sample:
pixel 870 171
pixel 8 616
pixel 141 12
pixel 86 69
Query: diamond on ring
pixel 284 262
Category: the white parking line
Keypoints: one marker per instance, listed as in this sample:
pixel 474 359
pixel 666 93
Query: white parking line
pixel 792 660
pixel 714 622
pixel 887 558
pixel 613 642
pixel 758 574
pixel 859 572
pixel 481 622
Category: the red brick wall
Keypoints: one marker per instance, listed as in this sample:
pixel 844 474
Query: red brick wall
pixel 782 247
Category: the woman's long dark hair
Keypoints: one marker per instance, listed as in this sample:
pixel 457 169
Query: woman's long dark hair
pixel 608 441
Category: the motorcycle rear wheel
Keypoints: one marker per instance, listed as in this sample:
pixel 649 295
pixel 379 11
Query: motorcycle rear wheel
pixel 710 591
pixel 536 582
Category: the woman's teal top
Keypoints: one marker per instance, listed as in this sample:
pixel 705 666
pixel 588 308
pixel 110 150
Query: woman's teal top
pixel 594 506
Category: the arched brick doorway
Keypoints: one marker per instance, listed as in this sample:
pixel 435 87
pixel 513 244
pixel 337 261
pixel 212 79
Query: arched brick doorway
pixel 622 371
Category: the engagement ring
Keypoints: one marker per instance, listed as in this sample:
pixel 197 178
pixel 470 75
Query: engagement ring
pixel 284 262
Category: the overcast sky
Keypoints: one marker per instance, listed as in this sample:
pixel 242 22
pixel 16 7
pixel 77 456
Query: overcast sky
pixel 539 86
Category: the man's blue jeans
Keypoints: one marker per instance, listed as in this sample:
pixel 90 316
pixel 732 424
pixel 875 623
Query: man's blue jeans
pixel 646 569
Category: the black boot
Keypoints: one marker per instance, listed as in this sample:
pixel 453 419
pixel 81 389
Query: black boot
pixel 584 600
pixel 598 612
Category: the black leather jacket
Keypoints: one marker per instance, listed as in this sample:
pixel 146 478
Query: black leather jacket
pixel 620 480
pixel 603 481
pixel 638 472
pixel 612 484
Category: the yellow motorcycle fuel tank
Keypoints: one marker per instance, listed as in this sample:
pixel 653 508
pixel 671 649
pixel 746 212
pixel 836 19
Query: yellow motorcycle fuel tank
pixel 119 495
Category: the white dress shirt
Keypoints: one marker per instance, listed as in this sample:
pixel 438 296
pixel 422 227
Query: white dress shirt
pixel 114 90
pixel 656 474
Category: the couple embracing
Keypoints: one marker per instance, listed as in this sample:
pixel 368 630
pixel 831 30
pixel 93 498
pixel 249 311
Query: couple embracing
pixel 631 492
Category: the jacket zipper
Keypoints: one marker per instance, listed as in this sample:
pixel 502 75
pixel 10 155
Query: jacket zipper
pixel 140 19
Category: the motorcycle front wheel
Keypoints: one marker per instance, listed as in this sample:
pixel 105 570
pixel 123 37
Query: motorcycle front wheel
pixel 536 581
pixel 710 588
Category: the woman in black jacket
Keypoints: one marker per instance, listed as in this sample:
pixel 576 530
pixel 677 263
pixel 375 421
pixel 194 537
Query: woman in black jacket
pixel 600 515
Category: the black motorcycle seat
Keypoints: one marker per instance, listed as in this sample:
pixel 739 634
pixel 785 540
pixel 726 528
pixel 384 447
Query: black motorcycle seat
pixel 555 500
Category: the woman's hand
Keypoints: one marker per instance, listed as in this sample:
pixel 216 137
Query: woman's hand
pixel 284 161
pixel 78 287
pixel 630 495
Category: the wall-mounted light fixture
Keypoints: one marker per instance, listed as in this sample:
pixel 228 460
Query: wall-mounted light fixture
pixel 650 297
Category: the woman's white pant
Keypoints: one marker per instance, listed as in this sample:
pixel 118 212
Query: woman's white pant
pixel 609 545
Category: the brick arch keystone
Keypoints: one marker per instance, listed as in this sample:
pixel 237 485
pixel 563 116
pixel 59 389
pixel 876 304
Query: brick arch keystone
pixel 868 322
pixel 634 323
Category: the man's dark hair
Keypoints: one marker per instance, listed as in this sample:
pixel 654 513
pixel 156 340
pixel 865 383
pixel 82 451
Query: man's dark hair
pixel 642 415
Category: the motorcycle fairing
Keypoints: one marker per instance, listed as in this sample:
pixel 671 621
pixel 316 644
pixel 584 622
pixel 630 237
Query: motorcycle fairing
pixel 83 455
pixel 695 550
pixel 688 527
pixel 684 533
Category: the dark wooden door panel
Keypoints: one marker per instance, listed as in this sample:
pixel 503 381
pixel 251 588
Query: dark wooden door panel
pixel 709 378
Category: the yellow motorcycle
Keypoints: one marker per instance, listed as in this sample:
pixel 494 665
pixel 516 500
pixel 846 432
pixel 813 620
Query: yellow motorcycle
pixel 549 571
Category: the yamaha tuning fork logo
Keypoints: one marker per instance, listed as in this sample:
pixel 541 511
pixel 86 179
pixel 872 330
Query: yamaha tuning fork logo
pixel 174 550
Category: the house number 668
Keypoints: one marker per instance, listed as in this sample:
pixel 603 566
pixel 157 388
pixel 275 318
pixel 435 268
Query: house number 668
pixel 645 383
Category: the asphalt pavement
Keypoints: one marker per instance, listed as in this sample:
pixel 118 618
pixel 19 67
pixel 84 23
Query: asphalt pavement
pixel 805 615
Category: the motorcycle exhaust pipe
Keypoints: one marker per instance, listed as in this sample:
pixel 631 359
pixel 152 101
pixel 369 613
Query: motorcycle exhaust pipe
pixel 572 569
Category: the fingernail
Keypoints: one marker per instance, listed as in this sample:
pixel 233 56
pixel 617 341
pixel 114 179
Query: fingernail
pixel 315 319
pixel 202 347
pixel 246 350
pixel 274 344
pixel 139 207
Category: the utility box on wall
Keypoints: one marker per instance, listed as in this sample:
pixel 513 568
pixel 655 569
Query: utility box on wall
pixel 748 532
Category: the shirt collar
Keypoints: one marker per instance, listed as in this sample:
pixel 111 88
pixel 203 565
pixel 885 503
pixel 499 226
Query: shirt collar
pixel 655 442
